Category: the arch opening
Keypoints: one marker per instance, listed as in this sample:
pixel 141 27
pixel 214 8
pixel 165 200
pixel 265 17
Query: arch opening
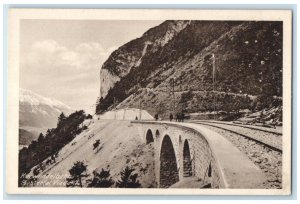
pixel 209 172
pixel 168 164
pixel 149 137
pixel 157 134
pixel 187 163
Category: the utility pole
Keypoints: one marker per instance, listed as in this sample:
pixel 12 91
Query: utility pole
pixel 124 113
pixel 173 92
pixel 140 102
pixel 140 108
pixel 115 107
pixel 214 70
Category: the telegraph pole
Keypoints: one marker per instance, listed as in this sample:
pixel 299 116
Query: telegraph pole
pixel 174 96
pixel 115 107
pixel 140 102
pixel 140 108
pixel 214 70
pixel 173 92
pixel 124 113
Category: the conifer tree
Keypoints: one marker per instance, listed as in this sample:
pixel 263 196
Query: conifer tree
pixel 76 174
pixel 128 179
pixel 61 119
pixel 102 179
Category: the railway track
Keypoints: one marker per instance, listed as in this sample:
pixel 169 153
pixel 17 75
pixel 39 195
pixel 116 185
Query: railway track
pixel 265 138
pixel 261 147
pixel 273 131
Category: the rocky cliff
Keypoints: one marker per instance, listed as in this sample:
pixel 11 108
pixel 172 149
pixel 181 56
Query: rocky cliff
pixel 131 54
pixel 248 61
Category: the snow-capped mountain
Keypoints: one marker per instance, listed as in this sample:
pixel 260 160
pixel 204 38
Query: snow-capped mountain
pixel 27 96
pixel 38 113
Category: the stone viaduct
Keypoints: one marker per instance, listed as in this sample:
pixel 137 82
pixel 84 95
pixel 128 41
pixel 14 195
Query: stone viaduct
pixel 184 151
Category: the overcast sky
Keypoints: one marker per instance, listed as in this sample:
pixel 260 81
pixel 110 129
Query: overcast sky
pixel 61 59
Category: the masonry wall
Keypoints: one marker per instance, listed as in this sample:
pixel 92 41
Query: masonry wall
pixel 203 163
pixel 126 114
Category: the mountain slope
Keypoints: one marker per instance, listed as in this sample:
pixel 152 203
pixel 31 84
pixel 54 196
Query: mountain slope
pixel 37 114
pixel 248 58
pixel 118 149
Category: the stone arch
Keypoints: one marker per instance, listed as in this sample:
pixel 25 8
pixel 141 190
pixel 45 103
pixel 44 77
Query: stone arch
pixel 157 134
pixel 168 164
pixel 149 137
pixel 187 162
pixel 209 171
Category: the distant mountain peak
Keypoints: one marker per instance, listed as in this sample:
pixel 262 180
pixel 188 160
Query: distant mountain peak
pixel 37 114
pixel 35 99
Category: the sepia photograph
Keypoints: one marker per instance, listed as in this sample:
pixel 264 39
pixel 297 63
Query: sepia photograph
pixel 108 101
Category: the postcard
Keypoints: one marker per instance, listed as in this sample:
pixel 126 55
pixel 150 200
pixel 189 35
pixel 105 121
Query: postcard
pixel 149 102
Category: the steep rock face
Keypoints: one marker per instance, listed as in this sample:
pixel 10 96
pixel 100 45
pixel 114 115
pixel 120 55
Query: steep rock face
pixel 107 80
pixel 131 54
pixel 248 58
